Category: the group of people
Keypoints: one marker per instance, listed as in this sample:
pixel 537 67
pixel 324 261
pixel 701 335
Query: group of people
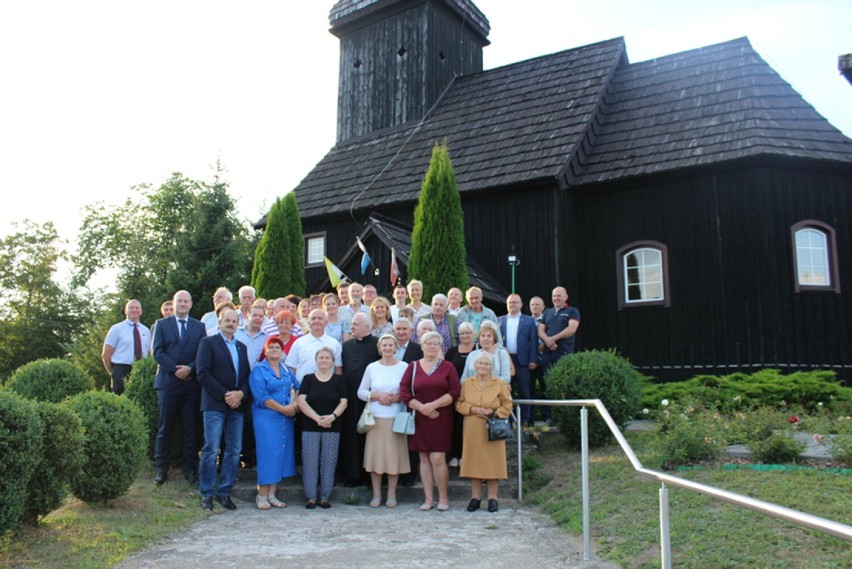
pixel 264 371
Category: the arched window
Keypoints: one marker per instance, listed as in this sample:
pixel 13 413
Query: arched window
pixel 643 274
pixel 814 256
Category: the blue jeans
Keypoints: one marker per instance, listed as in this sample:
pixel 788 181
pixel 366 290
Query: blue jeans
pixel 215 423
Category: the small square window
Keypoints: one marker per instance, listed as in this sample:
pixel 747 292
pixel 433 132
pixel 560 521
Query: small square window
pixel 314 249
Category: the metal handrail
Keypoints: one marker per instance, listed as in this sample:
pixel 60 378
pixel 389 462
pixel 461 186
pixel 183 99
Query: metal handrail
pixel 830 527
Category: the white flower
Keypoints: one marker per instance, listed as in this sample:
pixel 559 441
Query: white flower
pixel 819 404
pixel 664 402
pixel 645 411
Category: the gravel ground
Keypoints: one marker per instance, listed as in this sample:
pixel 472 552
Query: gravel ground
pixel 359 536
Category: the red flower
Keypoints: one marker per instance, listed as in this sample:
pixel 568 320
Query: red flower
pixel 793 419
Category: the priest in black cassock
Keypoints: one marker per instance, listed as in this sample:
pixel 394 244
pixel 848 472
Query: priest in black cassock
pixel 358 352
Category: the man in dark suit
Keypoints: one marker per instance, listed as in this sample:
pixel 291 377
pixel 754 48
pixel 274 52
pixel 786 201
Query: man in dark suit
pixel 407 351
pixel 358 352
pixel 223 372
pixel 176 341
pixel 520 337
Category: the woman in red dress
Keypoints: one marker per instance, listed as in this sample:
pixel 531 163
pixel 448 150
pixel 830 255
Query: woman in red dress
pixel 429 387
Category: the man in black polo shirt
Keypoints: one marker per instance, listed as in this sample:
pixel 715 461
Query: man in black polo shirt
pixel 558 326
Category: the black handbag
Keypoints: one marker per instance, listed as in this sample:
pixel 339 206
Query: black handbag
pixel 498 429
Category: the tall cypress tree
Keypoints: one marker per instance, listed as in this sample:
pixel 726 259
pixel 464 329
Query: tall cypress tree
pixel 278 260
pixel 437 243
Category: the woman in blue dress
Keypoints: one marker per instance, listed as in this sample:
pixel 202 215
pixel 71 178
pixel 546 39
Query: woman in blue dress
pixel 274 388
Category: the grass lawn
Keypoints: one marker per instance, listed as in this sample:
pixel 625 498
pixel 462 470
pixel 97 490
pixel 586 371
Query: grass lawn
pixel 82 536
pixel 705 533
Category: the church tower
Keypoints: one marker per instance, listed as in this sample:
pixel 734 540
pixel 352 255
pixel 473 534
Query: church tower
pixel 398 56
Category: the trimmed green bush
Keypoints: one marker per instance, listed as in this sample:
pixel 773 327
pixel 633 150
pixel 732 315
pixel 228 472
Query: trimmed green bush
pixel 139 387
pixel 114 448
pixel 768 387
pixel 594 374
pixel 20 451
pixel 61 460
pixel 50 380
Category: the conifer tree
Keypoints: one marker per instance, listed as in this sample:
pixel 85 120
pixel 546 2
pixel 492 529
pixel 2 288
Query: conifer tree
pixel 278 260
pixel 437 243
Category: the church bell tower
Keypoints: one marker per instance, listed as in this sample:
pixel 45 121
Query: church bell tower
pixel 398 56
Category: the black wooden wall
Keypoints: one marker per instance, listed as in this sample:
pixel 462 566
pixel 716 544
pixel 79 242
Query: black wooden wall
pixel 733 304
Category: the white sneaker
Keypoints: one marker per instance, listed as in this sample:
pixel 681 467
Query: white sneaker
pixel 454 463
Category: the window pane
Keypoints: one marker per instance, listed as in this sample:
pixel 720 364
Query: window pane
pixel 643 275
pixel 315 250
pixel 812 257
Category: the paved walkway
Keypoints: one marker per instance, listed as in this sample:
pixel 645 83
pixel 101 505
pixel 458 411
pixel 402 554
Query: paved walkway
pixel 360 536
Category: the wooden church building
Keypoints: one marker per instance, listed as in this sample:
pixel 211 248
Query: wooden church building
pixel 696 208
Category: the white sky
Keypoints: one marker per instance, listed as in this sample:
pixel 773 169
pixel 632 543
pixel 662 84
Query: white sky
pixel 99 95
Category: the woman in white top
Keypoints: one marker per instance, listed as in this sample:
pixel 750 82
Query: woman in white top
pixel 490 341
pixel 385 452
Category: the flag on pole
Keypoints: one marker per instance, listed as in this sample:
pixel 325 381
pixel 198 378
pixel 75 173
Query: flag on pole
pixel 394 268
pixel 335 275
pixel 365 258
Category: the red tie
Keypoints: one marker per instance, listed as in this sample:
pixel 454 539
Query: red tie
pixel 137 343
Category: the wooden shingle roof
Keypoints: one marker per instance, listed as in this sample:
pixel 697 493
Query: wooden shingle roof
pixel 704 106
pixel 581 116
pixel 504 126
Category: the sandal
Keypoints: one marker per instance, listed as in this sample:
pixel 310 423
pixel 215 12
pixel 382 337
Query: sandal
pixel 375 502
pixel 443 506
pixel 426 506
pixel 312 504
pixel 275 502
pixel 262 502
pixel 390 503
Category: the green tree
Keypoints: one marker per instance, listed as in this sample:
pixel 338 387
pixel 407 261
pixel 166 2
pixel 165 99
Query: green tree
pixel 184 234
pixel 437 242
pixel 279 257
pixel 38 317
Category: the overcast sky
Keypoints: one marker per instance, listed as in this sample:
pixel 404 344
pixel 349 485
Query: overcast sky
pixel 99 96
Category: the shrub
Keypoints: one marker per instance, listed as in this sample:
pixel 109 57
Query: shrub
pixel 114 447
pixel 780 447
pixel 50 380
pixel 61 460
pixel 139 387
pixel 20 451
pixel 766 387
pixel 688 432
pixel 594 374
pixel 767 432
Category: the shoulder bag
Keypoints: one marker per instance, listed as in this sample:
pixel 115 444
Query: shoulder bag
pixel 403 423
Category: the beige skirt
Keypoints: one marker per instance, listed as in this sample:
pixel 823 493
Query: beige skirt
pixel 386 452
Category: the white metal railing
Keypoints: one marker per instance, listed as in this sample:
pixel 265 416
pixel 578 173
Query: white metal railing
pixel 830 527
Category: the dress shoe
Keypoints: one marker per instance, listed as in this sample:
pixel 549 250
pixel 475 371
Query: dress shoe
pixel 161 477
pixel 492 505
pixel 191 477
pixel 473 505
pixel 207 502
pixel 225 502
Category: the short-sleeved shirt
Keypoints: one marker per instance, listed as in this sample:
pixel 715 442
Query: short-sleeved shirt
pixel 557 320
pixel 120 338
pixel 323 397
pixel 303 353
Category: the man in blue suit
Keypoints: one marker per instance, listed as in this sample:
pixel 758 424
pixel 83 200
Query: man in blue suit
pixel 521 339
pixel 223 372
pixel 176 341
